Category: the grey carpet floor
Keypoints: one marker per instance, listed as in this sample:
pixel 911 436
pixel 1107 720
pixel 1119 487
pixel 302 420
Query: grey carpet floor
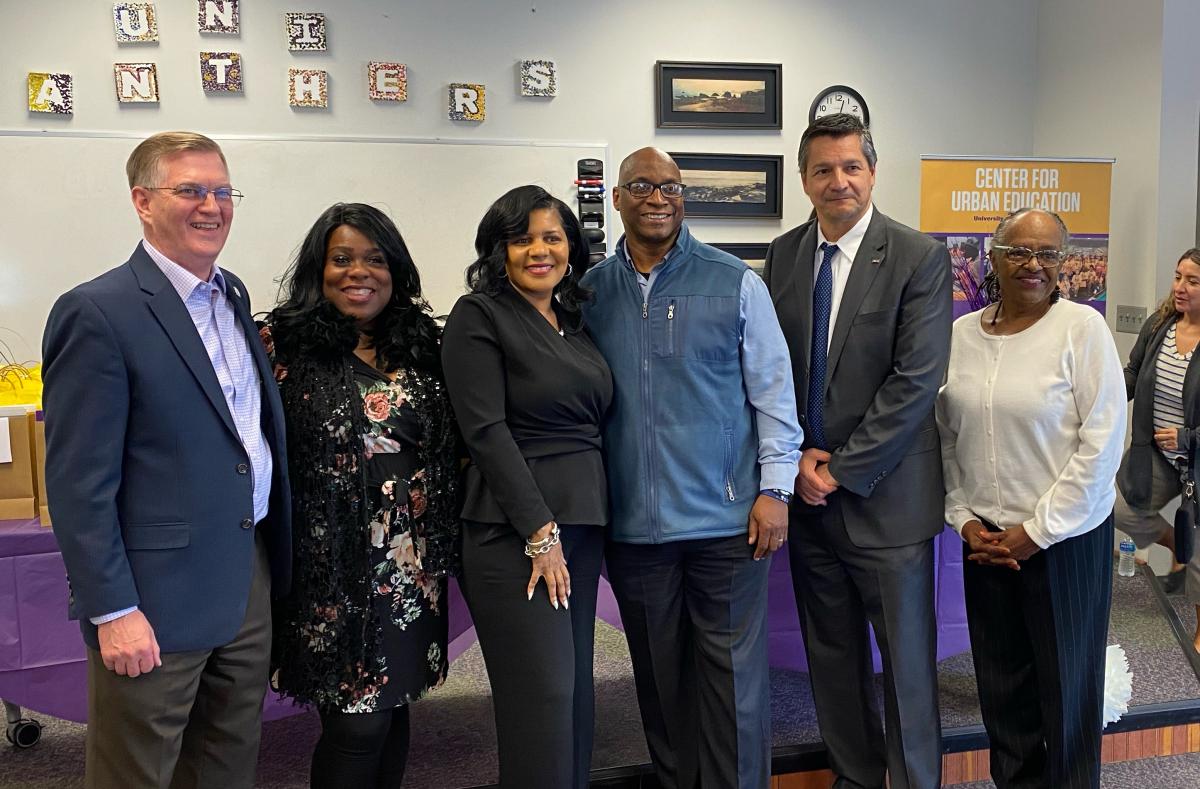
pixel 1185 610
pixel 454 734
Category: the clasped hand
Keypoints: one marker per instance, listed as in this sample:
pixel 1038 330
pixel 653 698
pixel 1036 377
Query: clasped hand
pixel 814 481
pixel 1006 548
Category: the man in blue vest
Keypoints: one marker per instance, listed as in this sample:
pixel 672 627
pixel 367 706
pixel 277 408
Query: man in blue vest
pixel 701 445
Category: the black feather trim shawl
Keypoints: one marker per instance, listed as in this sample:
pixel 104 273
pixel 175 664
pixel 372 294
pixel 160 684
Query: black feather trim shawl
pixel 327 634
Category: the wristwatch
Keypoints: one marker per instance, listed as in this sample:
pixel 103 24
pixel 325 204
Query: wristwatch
pixel 777 493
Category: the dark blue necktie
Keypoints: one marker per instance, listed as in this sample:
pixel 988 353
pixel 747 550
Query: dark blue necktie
pixel 819 356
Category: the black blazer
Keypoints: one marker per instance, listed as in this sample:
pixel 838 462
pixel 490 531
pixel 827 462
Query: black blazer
pixel 145 470
pixel 1134 476
pixel 887 357
pixel 529 404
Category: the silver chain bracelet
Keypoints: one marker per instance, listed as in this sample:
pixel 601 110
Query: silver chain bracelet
pixel 543 545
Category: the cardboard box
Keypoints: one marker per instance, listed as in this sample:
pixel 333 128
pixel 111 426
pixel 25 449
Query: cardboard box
pixel 39 466
pixel 18 492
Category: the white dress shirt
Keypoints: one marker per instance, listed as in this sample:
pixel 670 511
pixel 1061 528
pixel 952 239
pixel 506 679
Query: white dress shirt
pixel 847 246
pixel 1032 424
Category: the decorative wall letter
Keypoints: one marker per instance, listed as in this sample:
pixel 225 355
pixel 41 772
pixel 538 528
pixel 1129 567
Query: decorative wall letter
pixel 136 82
pixel 305 32
pixel 307 87
pixel 467 102
pixel 218 16
pixel 388 81
pixel 538 78
pixel 135 22
pixel 51 93
pixel 221 71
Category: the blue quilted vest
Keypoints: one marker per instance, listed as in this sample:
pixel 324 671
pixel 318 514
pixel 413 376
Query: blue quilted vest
pixel 681 450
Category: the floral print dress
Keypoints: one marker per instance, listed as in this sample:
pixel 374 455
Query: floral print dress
pixel 411 606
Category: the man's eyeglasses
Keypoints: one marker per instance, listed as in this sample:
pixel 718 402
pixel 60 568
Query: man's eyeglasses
pixel 1046 258
pixel 198 193
pixel 643 189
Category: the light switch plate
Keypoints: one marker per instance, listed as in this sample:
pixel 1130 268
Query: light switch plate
pixel 1130 319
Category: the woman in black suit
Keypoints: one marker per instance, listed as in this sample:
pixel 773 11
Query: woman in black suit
pixel 1161 379
pixel 529 389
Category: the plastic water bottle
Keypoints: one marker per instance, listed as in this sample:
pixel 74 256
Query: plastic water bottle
pixel 1125 565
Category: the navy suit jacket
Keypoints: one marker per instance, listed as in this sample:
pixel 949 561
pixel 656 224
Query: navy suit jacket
pixel 145 473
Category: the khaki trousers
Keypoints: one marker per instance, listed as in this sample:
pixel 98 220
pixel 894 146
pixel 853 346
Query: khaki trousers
pixel 193 722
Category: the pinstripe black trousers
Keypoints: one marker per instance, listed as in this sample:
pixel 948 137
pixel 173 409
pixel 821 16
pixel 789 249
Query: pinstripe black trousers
pixel 1038 637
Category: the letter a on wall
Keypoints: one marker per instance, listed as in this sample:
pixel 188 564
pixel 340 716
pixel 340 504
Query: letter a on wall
pixel 467 102
pixel 135 22
pixel 51 93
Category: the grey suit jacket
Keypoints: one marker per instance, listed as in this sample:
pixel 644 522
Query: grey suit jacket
pixel 887 357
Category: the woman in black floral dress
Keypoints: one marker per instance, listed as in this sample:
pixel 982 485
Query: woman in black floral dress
pixel 372 463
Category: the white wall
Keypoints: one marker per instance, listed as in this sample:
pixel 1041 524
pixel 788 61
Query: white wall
pixel 1119 79
pixel 932 71
pixel 1179 138
pixel 1098 94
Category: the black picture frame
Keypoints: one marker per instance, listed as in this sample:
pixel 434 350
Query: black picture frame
pixel 732 200
pixel 754 254
pixel 719 111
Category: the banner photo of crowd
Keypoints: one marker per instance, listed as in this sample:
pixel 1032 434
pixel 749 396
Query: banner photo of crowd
pixel 964 198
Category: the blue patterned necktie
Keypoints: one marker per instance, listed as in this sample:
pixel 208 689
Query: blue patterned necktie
pixel 819 356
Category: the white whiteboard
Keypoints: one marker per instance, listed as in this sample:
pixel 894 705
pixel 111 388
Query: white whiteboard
pixel 67 216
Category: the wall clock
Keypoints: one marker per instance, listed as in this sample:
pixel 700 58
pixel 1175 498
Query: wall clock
pixel 839 98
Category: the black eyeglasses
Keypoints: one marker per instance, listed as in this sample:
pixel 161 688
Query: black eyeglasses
pixel 671 190
pixel 1046 258
pixel 198 193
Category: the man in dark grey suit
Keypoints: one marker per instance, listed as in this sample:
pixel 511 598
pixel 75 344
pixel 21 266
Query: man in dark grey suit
pixel 865 305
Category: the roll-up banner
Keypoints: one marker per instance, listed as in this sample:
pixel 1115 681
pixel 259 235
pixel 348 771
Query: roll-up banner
pixel 963 198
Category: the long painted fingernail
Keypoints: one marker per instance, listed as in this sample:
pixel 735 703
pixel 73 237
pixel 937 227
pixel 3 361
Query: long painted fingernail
pixel 555 602
pixel 530 595
pixel 567 604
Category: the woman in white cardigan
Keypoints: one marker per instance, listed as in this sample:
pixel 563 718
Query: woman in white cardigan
pixel 1032 423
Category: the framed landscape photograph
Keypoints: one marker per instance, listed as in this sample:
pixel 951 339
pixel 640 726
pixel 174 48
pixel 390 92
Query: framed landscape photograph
pixel 755 255
pixel 731 185
pixel 719 95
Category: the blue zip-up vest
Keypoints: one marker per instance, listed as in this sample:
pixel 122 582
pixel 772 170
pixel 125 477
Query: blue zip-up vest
pixel 681 451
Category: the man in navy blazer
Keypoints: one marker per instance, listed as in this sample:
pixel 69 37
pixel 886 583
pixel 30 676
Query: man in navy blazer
pixel 165 468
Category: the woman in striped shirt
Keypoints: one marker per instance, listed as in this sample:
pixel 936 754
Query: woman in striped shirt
pixel 1162 381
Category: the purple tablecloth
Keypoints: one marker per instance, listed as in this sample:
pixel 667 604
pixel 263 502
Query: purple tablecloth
pixel 786 642
pixel 43 668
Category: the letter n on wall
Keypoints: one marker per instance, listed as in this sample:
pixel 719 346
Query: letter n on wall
pixel 136 82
